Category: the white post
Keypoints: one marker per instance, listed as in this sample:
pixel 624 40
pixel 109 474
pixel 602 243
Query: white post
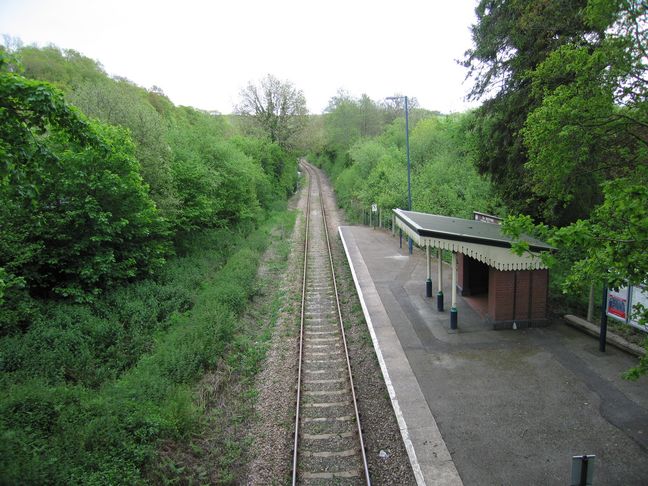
pixel 453 309
pixel 440 268
pixel 454 279
pixel 590 305
pixel 428 266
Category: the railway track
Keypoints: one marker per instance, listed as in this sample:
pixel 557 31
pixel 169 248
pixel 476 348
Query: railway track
pixel 328 444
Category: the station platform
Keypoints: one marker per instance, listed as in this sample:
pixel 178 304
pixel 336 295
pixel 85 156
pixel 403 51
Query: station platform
pixel 480 406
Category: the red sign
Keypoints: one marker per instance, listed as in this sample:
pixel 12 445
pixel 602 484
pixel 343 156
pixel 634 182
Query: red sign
pixel 617 303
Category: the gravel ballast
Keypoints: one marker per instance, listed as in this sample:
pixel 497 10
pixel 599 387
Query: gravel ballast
pixel 272 431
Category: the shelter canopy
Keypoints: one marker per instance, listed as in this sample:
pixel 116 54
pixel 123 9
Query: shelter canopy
pixel 479 240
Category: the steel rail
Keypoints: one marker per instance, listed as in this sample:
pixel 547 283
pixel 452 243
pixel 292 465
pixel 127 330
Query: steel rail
pixel 301 332
pixel 341 321
pixel 313 175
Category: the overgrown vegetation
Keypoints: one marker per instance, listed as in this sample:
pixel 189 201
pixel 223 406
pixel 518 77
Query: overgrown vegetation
pixel 131 235
pixel 218 448
pixel 364 152
pixel 89 391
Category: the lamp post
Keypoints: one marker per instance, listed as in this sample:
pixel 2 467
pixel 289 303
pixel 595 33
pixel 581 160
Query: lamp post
pixel 407 149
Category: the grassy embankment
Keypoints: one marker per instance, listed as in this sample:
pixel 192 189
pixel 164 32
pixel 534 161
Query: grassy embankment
pixel 90 392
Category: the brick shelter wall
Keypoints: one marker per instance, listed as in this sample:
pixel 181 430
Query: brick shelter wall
pixel 502 306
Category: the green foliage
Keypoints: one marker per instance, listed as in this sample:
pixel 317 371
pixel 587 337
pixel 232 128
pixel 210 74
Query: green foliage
pixel 76 216
pixel 511 39
pixel 102 335
pixel 29 110
pixel 569 118
pixel 86 206
pixel 89 392
pixel 590 126
pixel 349 119
pixel 90 224
pixel 278 165
pixel 614 238
pixel 119 102
pixel 608 247
pixel 65 68
pixel 444 180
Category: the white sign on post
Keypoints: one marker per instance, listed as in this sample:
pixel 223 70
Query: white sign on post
pixel 621 304
pixel 617 304
pixel 374 208
pixel 639 295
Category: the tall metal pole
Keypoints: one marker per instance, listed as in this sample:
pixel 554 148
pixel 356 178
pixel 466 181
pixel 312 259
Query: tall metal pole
pixel 603 331
pixel 409 178
pixel 409 168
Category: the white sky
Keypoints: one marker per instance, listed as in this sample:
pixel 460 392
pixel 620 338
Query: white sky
pixel 202 53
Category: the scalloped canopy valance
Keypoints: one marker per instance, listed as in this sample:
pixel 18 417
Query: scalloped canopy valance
pixel 481 241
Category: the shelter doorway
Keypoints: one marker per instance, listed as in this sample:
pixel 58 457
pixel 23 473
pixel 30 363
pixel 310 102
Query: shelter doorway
pixel 473 278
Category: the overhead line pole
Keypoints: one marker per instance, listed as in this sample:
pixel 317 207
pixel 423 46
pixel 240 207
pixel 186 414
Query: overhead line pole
pixel 409 178
pixel 409 166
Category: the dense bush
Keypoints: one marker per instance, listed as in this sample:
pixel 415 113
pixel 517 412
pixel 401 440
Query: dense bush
pixel 443 177
pixel 76 216
pixel 88 205
pixel 90 391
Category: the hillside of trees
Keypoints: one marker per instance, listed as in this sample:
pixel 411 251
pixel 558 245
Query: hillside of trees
pixel 362 147
pixel 131 234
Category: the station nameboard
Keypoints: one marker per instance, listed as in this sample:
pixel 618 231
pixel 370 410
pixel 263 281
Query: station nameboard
pixel 486 218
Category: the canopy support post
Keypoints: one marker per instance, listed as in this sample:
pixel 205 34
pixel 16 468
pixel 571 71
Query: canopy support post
pixel 453 309
pixel 428 266
pixel 440 277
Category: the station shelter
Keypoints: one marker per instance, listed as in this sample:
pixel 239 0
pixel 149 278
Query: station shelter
pixel 509 290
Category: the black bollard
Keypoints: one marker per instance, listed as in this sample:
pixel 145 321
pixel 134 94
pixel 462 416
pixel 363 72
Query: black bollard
pixel 603 332
pixel 583 471
pixel 453 318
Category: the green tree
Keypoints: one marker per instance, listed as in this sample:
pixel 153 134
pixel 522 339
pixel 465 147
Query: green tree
pixel 512 38
pixel 76 216
pixel 274 107
pixel 592 123
pixel 67 69
pixel 590 130
pixel 371 117
pixel 217 184
pixel 445 180
pixel 342 123
pixel 120 102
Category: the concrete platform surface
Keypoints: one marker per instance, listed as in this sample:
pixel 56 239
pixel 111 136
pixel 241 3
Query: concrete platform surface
pixel 484 407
